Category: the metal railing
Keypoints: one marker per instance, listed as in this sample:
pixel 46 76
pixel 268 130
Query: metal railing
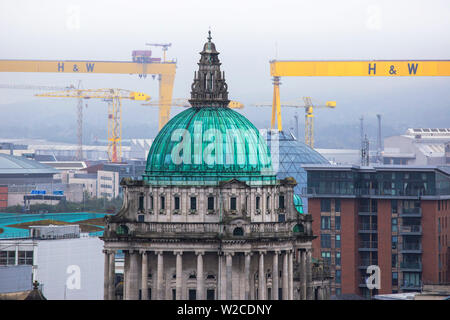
pixel 411 246
pixel 367 262
pixel 202 228
pixel 368 226
pixel 410 229
pixel 417 211
pixel 368 244
pixel 411 265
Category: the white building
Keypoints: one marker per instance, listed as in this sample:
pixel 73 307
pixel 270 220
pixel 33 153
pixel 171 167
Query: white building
pixel 419 146
pixel 67 268
pixel 107 184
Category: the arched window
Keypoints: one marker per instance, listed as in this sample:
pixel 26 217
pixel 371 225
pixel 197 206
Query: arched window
pixel 238 231
pixel 122 230
pixel 298 228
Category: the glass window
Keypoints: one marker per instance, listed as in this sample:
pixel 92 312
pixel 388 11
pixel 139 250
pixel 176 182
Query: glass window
pixel 163 202
pixel 337 205
pixel 151 202
pixel 394 278
pixel 394 206
pixel 325 223
pixel 338 258
pixel 177 203
pixel 338 291
pixel 281 202
pixel 394 260
pixel 7 258
pixel 326 256
pixel 141 202
pixel 26 257
pixel 394 224
pixel 268 202
pixel 325 205
pixel 233 203
pixel 337 223
pixel 193 203
pixel 325 240
pixel 394 242
pixel 338 241
pixel 258 199
pixel 210 203
pixel 338 276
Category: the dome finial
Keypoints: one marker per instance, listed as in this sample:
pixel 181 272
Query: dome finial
pixel 209 35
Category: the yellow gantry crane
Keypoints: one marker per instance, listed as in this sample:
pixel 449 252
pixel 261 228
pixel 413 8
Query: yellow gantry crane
pixel 349 68
pixel 309 116
pixel 114 99
pixel 180 102
pixel 165 70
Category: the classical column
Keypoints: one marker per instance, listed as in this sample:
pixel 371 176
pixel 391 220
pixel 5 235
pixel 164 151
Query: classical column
pixel 133 276
pixel 200 276
pixel 112 276
pixel 179 270
pixel 219 276
pixel 261 277
pixel 126 276
pixel 275 275
pixel 229 282
pixel 144 276
pixel 303 274
pixel 285 280
pixel 247 275
pixel 291 275
pixel 309 293
pixel 106 276
pixel 160 276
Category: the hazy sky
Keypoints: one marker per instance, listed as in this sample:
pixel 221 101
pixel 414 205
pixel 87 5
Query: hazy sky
pixel 247 34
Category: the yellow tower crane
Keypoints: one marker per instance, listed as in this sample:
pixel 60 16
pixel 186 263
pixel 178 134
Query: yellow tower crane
pixel 180 102
pixel 309 116
pixel 114 99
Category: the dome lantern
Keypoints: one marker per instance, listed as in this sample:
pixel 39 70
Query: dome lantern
pixel 209 88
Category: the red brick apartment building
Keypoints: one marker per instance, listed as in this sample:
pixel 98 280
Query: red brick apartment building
pixel 396 217
pixel 3 196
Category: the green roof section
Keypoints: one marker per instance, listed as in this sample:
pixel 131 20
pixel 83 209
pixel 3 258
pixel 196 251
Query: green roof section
pixel 206 145
pixel 298 204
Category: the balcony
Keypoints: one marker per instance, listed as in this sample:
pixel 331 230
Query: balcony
pixel 411 266
pixel 411 212
pixel 416 286
pixel 205 230
pixel 413 230
pixel 411 248
pixel 368 228
pixel 368 246
pixel 364 263
pixel 366 211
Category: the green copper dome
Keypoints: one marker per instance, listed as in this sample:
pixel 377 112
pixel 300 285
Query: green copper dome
pixel 205 145
pixel 209 142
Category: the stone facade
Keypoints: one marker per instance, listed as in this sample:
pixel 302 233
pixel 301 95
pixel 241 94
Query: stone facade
pixel 215 252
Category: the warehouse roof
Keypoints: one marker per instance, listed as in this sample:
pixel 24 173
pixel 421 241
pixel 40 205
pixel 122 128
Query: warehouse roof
pixel 20 165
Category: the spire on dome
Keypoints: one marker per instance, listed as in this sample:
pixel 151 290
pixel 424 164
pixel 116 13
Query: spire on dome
pixel 209 88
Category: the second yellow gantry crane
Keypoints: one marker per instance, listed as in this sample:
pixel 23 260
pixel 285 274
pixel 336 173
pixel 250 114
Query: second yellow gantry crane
pixel 114 99
pixel 309 116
